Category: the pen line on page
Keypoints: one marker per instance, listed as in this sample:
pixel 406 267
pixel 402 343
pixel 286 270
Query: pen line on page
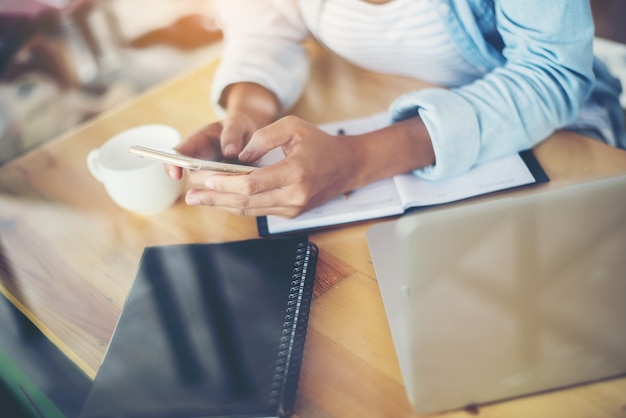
pixel 347 194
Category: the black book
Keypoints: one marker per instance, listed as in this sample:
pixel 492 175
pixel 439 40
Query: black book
pixel 210 330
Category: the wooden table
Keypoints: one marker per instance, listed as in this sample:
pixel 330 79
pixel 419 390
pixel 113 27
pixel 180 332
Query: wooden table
pixel 68 255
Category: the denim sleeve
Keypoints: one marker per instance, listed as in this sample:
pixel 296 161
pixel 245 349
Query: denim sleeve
pixel 262 44
pixel 545 76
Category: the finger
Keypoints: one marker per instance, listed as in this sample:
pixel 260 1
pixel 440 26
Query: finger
pixel 235 133
pixel 238 129
pixel 271 136
pixel 200 144
pixel 174 172
pixel 200 177
pixel 260 180
pixel 204 142
pixel 257 205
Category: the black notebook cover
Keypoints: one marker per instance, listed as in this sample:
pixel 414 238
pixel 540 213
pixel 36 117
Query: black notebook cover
pixel 209 330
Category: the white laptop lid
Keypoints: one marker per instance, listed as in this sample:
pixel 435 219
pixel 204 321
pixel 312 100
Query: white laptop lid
pixel 506 297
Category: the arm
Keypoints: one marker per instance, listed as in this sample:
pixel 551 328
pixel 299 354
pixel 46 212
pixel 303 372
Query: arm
pixel 535 86
pixel 262 45
pixel 262 72
pixel 317 167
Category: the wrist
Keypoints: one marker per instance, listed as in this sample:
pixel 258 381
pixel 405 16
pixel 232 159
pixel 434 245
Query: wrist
pixel 396 149
pixel 253 100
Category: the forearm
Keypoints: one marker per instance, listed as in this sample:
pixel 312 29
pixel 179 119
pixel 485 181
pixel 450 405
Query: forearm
pixel 257 102
pixel 399 148
pixel 262 45
pixel 540 86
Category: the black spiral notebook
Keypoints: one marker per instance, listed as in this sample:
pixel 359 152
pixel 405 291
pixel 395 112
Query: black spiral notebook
pixel 210 330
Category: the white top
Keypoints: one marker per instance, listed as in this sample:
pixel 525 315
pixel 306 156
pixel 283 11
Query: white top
pixel 262 40
pixel 414 44
pixel 536 68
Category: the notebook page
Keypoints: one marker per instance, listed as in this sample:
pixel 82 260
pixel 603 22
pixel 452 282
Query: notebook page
pixel 358 125
pixel 375 200
pixel 504 173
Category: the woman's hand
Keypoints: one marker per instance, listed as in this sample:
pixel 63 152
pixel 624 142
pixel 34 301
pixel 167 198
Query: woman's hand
pixel 249 106
pixel 216 141
pixel 317 167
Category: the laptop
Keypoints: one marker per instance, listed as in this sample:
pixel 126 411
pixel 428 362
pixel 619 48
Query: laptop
pixel 506 297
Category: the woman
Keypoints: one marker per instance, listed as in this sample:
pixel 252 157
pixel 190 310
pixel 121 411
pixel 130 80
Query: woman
pixel 513 72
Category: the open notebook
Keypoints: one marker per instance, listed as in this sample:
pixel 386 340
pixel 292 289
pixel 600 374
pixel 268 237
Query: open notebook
pixel 394 196
pixel 507 297
pixel 209 330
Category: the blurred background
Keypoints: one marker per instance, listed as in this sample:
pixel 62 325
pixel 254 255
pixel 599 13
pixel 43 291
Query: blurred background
pixel 65 61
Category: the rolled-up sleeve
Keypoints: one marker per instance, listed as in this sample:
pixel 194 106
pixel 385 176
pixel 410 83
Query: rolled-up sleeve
pixel 545 78
pixel 263 45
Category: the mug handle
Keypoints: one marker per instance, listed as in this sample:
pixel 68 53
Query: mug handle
pixel 93 164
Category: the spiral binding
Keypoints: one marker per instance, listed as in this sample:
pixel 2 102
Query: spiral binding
pixel 287 369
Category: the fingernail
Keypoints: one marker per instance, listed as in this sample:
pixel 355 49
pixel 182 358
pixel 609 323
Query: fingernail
pixel 244 155
pixel 191 201
pixel 230 150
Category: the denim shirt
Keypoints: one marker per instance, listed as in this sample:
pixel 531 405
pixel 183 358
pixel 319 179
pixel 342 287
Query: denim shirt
pixel 536 57
pixel 540 75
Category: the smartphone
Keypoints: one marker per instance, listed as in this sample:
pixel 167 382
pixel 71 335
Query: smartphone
pixel 174 158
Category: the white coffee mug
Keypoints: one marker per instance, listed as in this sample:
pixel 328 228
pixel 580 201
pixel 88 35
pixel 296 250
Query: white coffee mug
pixel 136 184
